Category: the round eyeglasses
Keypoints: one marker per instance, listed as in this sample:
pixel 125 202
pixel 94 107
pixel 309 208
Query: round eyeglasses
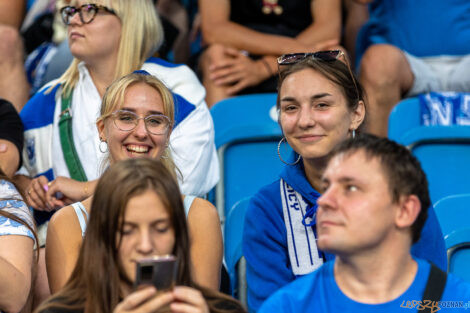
pixel 86 12
pixel 156 124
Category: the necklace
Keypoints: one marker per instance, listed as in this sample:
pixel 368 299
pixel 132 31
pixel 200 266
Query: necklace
pixel 271 6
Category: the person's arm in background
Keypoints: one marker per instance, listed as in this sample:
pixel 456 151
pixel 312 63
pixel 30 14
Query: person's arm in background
pixel 64 239
pixel 16 262
pixel 12 12
pixel 16 249
pixel 217 28
pixel 265 247
pixel 357 14
pixel 326 26
pixel 206 243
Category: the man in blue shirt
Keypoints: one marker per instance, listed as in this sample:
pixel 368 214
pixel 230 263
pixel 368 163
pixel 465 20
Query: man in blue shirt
pixel 374 204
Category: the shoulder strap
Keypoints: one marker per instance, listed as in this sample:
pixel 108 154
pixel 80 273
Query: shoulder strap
pixel 187 202
pixel 80 211
pixel 66 140
pixel 435 286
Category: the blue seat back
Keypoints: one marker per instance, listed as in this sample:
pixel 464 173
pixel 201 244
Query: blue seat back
pixel 453 213
pixel 233 232
pixel 246 137
pixel 444 151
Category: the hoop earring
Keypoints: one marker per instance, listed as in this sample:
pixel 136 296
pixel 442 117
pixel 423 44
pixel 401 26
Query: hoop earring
pixel 164 155
pixel 279 153
pixel 103 146
pixel 353 133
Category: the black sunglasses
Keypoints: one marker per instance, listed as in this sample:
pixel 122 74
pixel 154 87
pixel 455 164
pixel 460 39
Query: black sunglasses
pixel 327 56
pixel 87 12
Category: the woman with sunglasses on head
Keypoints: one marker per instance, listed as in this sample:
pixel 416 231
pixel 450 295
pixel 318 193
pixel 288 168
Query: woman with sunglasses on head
pixel 137 214
pixel 320 103
pixel 109 39
pixel 136 121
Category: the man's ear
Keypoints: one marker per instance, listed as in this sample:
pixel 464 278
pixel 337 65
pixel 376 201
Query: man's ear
pixel 409 208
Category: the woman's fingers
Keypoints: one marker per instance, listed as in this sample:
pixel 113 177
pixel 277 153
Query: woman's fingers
pixel 135 299
pixel 37 193
pixel 144 301
pixel 188 300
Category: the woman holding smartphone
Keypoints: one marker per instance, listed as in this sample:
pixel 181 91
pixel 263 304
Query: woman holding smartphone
pixel 136 121
pixel 137 213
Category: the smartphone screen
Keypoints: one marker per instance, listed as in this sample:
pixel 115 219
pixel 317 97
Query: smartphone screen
pixel 159 271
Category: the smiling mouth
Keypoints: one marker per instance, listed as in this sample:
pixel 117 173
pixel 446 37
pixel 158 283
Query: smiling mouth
pixel 310 138
pixel 137 149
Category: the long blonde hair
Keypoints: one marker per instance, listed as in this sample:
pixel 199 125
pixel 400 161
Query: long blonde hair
pixel 114 98
pixel 141 36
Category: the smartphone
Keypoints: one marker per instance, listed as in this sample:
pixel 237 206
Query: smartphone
pixel 159 271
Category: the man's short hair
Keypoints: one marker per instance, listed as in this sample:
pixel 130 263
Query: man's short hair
pixel 402 171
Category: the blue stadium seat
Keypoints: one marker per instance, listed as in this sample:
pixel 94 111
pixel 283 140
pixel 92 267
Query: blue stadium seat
pixel 246 137
pixel 444 151
pixel 453 213
pixel 236 266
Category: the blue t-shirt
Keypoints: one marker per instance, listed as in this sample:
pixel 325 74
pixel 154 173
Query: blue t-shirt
pixel 420 27
pixel 318 292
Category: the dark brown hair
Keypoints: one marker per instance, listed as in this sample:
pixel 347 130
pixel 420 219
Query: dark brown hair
pixel 401 169
pixel 95 282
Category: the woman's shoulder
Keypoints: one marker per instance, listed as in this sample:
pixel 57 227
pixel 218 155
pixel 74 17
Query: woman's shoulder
pixel 202 210
pixel 65 222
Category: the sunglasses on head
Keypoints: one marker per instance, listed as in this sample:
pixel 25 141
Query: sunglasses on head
pixel 292 58
pixel 327 56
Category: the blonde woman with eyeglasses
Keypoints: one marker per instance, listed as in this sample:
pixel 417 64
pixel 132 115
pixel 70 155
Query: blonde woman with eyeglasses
pixel 136 121
pixel 108 39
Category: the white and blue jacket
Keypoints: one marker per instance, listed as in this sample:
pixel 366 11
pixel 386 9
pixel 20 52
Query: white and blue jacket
pixel 192 139
pixel 277 252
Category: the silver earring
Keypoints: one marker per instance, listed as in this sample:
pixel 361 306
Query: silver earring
pixel 103 146
pixel 166 152
pixel 279 153
pixel 353 133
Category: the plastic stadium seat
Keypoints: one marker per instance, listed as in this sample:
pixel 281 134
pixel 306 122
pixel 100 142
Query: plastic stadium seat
pixel 444 151
pixel 236 266
pixel 453 213
pixel 246 137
